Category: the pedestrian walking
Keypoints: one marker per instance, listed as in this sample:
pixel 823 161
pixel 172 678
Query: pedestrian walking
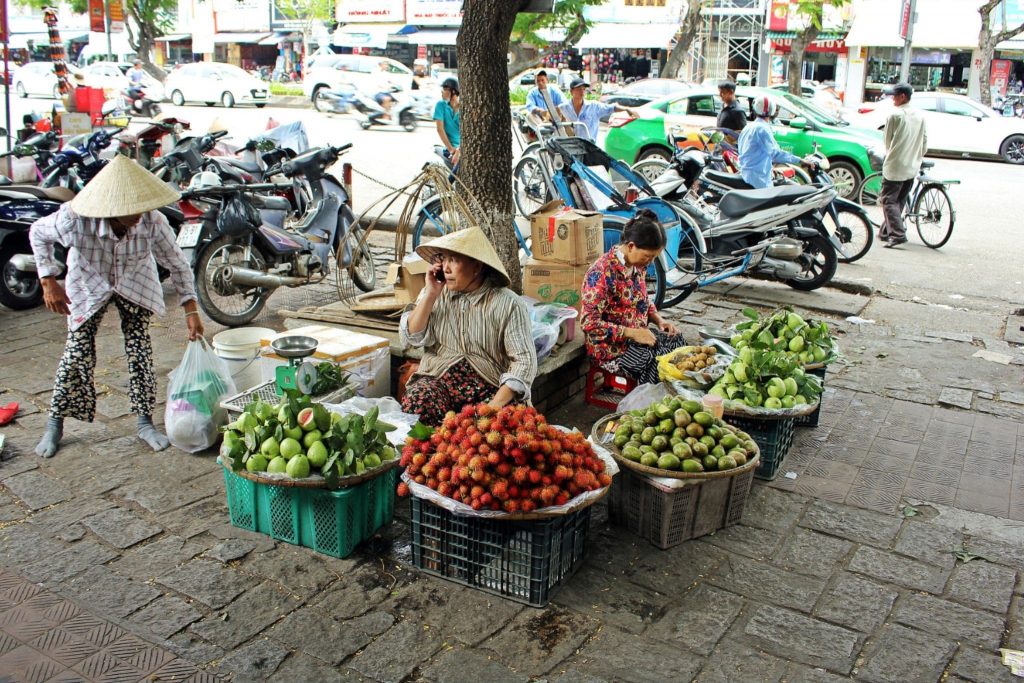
pixel 115 238
pixel 906 141
pixel 731 117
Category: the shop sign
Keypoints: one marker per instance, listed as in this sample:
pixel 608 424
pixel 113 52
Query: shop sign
pixel 778 15
pixel 97 16
pixel 1000 75
pixel 836 46
pixel 3 20
pixel 905 19
pixel 350 11
pixel 116 10
pixel 433 12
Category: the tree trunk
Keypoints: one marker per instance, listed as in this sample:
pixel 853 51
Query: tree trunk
pixel 486 149
pixel 688 25
pixel 143 39
pixel 986 49
pixel 800 44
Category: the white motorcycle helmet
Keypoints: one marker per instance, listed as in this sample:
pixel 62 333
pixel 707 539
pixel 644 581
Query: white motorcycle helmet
pixel 204 180
pixel 764 107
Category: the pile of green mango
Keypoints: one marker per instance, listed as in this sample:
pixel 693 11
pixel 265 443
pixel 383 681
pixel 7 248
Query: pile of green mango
pixel 298 438
pixel 810 341
pixel 677 434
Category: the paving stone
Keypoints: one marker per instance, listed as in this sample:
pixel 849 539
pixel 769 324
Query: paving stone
pixel 537 640
pixel 860 526
pixel 64 515
pixel 808 552
pixel 949 619
pixel 208 582
pixel 37 490
pixel 996 551
pixel 903 655
pixel 791 635
pixel 194 649
pixel 799 673
pixel 902 571
pixel 432 602
pixel 458 665
pixel 23 544
pixel 301 571
pixel 159 498
pixel 255 661
pixel 120 528
pixel 166 615
pixel 929 543
pixel 767 583
pixel 399 651
pixel 959 398
pixel 856 602
pixel 108 593
pixel 155 558
pixel 753 542
pixel 700 620
pixel 984 585
pixel 634 607
pixel 359 591
pixel 226 532
pixel 680 566
pixel 13 466
pixel 302 667
pixel 620 656
pixel 733 662
pixel 981 667
pixel 573 676
pixel 772 509
pixel 249 614
pixel 316 633
pixel 231 549
pixel 74 559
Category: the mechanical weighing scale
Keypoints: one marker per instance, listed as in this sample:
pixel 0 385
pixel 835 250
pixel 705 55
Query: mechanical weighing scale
pixel 299 374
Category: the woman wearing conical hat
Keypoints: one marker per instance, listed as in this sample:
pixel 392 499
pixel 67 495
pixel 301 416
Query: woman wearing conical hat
pixel 474 330
pixel 113 233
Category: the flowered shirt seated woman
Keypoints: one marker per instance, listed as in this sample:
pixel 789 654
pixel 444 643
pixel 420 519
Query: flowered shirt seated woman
pixel 616 311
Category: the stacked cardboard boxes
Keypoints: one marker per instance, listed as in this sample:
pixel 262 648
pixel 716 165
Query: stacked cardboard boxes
pixel 566 242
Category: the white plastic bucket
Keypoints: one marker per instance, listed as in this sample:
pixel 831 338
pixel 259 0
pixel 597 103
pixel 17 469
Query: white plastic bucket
pixel 239 348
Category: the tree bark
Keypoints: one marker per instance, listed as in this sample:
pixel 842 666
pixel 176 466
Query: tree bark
pixel 689 23
pixel 143 39
pixel 800 44
pixel 486 149
pixel 987 42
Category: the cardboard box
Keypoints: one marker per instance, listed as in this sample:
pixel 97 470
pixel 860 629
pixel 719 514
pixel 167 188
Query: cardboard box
pixel 554 282
pixel 409 278
pixel 562 235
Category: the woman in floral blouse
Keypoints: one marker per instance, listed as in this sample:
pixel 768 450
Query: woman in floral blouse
pixel 616 310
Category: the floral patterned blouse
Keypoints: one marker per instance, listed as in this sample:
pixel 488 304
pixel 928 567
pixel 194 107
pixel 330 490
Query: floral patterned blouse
pixel 614 298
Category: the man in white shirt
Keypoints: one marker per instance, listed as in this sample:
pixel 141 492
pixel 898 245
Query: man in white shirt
pixel 906 141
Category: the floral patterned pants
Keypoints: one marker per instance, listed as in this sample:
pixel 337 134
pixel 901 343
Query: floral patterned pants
pixel 640 362
pixel 432 397
pixel 74 394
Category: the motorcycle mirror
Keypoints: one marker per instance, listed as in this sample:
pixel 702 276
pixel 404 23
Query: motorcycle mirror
pixel 798 123
pixel 717 137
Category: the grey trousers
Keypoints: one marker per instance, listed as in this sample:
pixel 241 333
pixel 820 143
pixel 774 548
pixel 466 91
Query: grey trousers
pixel 894 193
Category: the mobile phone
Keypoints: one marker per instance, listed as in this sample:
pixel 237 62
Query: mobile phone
pixel 439 275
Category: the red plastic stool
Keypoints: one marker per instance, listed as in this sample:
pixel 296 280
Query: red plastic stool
pixel 610 384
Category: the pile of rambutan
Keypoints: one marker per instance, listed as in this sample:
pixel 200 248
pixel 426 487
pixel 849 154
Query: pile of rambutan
pixel 509 459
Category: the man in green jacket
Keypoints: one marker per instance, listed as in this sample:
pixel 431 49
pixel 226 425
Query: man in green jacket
pixel 905 144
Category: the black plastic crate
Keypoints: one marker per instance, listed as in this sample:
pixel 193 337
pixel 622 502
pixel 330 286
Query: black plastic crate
pixel 773 437
pixel 523 561
pixel 812 419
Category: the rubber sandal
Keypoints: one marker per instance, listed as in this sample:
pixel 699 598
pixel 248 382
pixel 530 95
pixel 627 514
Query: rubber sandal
pixel 8 412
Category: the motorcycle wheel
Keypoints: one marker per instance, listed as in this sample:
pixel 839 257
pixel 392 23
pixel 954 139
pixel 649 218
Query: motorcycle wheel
pixel 819 262
pixel 227 304
pixel 320 101
pixel 408 122
pixel 365 125
pixel 854 232
pixel 18 291
pixel 650 168
pixel 364 274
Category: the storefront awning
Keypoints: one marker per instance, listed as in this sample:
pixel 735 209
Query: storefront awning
pixel 174 37
pixel 435 36
pixel 250 38
pixel 368 35
pixel 275 38
pixel 790 35
pixel 944 24
pixel 601 36
pixel 19 41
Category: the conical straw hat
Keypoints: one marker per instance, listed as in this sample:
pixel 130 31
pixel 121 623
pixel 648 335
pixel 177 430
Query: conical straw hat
pixel 122 188
pixel 471 242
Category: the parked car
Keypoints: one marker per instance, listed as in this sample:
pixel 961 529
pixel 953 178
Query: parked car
pixel 359 71
pixel 113 78
pixel 639 93
pixel 825 96
pixel 800 124
pixel 38 80
pixel 956 125
pixel 211 82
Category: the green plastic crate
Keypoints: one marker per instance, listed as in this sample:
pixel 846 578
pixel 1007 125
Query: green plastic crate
pixel 329 522
pixel 813 419
pixel 773 438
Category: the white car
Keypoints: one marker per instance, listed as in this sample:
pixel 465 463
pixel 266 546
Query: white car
pixel 112 77
pixel 825 96
pixel 359 71
pixel 956 125
pixel 38 80
pixel 211 82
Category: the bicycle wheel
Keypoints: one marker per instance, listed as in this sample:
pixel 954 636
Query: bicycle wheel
pixel 530 186
pixel 655 273
pixel 934 216
pixel 432 222
pixel 853 231
pixel 870 190
pixel 689 261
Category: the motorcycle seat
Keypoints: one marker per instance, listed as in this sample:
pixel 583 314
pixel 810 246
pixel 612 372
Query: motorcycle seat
pixel 733 180
pixel 741 202
pixel 925 165
pixel 274 203
pixel 247 166
pixel 57 194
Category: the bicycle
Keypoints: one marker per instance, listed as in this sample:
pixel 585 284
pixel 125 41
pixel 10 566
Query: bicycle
pixel 928 204
pixel 530 185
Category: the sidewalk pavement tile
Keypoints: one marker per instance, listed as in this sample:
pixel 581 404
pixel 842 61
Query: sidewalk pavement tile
pixel 791 635
pixel 983 585
pixel 760 581
pixel 945 618
pixel 458 665
pixel 892 568
pixel 700 620
pixel 617 656
pixel 856 602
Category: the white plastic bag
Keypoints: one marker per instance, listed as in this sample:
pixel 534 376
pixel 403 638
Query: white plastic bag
pixel 194 416
pixel 546 321
pixel 643 396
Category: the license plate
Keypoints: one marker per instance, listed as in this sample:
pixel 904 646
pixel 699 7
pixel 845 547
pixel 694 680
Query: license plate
pixel 189 235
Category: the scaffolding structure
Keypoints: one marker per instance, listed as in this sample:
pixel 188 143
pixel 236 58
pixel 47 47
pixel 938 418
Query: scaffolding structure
pixel 728 42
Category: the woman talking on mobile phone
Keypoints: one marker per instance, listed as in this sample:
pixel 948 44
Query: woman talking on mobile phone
pixel 475 332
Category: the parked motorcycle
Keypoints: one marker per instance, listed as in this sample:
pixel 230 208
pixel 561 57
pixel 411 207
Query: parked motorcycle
pixel 40 147
pixel 147 145
pixel 20 207
pixel 79 162
pixel 402 114
pixel 240 255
